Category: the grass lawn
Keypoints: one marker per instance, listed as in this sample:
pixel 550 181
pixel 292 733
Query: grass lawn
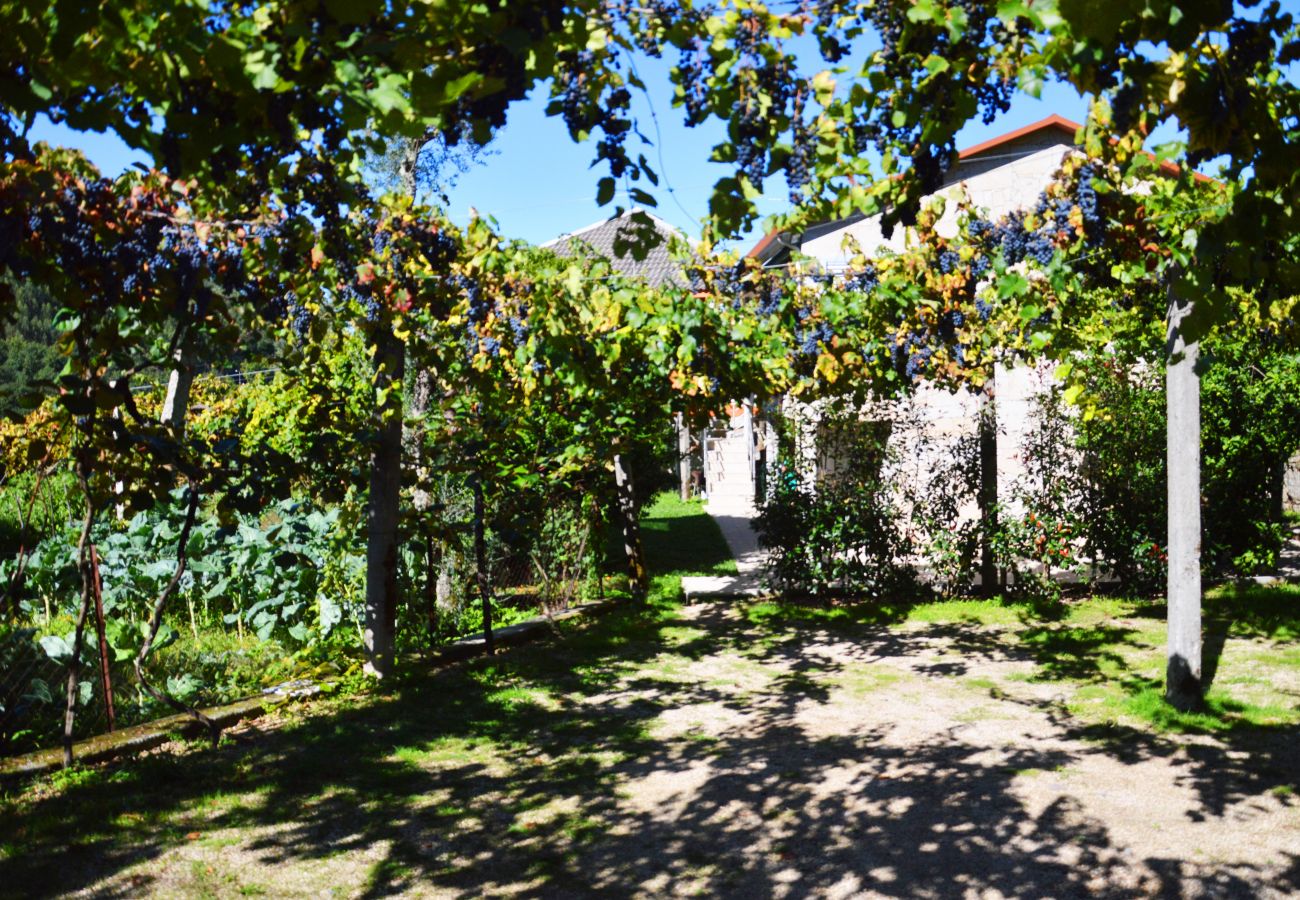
pixel 758 749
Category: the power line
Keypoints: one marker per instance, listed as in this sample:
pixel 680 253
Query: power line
pixel 659 141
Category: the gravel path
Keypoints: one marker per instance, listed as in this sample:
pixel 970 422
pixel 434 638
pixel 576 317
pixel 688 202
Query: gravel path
pixel 702 756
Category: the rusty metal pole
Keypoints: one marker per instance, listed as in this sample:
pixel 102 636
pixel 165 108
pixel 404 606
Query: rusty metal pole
pixel 105 677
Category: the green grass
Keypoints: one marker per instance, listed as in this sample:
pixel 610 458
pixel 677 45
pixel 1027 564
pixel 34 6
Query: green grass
pixel 682 539
pixel 1256 610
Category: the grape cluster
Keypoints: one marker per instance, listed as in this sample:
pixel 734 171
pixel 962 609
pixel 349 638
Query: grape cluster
pixel 1249 44
pixel 770 304
pixel 1040 247
pixel 1085 195
pixel 864 281
pixel 616 130
pixel 749 37
pixel 832 49
pixel 900 59
pixel 439 247
pixel 797 166
pixel 821 333
pixel 917 356
pixel 949 321
pixel 948 261
pixel 751 125
pixel 691 75
pixel 573 104
pixel 299 316
pixel 865 136
pixel 1013 239
pixel 611 145
pixel 751 158
pixel 479 305
pixel 981 231
pixel 732 280
pixel 658 11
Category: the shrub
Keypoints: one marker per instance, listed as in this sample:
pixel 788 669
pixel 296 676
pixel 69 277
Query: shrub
pixel 837 530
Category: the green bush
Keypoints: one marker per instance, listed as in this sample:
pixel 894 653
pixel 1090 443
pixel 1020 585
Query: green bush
pixel 1108 479
pixel 839 531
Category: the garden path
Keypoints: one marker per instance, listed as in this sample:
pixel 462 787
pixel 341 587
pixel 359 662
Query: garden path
pixel 720 750
pixel 736 525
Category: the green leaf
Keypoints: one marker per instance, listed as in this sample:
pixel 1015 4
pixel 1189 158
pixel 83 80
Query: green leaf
pixel 56 647
pixel 605 191
pixel 1031 82
pixel 936 64
pixel 642 197
pixel 331 614
pixel 1013 284
pixel 390 93
pixel 922 11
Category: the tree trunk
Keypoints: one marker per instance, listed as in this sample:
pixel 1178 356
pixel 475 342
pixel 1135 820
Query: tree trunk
pixel 988 491
pixel 382 511
pixel 421 398
pixel 445 586
pixel 630 524
pixel 421 496
pixel 1183 687
pixel 481 566
pixel 684 456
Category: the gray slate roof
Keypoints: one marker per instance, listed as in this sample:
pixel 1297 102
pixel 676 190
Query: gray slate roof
pixel 657 268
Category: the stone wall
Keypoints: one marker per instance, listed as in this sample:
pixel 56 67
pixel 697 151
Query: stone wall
pixel 1291 484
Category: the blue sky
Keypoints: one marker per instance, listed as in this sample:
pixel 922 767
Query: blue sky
pixel 538 183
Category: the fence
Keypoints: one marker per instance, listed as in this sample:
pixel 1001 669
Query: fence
pixel 33 691
pixel 33 683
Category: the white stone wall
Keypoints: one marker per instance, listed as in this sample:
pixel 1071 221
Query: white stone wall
pixel 1008 178
pixel 1291 484
pixel 1014 184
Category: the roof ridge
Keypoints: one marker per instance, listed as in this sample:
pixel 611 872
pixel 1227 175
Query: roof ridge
pixel 1053 121
pixel 661 224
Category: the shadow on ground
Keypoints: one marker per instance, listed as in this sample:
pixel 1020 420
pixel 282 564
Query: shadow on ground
pixel 543 773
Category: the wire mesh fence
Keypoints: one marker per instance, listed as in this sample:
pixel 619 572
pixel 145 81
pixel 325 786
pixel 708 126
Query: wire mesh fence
pixel 33 693
pixel 527 581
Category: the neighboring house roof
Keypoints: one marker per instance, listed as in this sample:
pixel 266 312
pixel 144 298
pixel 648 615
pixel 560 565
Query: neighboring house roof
pixel 1062 126
pixel 657 268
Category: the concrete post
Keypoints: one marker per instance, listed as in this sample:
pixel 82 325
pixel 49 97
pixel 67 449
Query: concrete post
pixel 1183 687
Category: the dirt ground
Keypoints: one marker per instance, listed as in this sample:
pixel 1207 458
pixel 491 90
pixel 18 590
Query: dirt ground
pixel 702 754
